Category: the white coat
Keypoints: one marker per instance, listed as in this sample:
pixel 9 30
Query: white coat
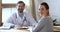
pixel 15 19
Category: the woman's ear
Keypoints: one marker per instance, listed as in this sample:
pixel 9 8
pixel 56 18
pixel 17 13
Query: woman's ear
pixel 48 11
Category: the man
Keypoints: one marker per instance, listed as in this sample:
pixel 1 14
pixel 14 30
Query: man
pixel 21 18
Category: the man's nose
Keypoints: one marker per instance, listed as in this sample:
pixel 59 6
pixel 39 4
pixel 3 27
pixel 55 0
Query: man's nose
pixel 20 7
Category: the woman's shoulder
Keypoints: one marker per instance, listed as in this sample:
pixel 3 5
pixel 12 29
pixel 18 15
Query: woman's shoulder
pixel 47 18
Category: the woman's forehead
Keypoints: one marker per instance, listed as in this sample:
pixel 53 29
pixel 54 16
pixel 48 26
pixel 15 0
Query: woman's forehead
pixel 39 6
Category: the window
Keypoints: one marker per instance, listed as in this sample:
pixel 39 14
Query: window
pixel 15 1
pixel 7 12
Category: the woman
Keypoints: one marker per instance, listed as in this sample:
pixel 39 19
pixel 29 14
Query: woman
pixel 45 24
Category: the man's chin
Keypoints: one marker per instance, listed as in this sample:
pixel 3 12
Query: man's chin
pixel 21 11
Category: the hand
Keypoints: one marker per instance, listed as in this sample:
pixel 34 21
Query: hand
pixel 17 27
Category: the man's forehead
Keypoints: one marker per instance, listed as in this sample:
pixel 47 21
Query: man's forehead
pixel 20 3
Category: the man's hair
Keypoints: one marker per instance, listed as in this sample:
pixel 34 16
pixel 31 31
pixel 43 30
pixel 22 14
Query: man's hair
pixel 21 2
pixel 45 4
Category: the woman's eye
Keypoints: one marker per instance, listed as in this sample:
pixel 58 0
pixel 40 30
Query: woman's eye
pixel 42 9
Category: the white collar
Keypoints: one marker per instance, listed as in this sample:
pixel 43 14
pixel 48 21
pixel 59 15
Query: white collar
pixel 19 16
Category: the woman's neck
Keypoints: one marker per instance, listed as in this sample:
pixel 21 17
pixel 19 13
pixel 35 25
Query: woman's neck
pixel 45 15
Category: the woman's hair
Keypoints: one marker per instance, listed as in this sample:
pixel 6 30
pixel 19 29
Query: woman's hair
pixel 45 4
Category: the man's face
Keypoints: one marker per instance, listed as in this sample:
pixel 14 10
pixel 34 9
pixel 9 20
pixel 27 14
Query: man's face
pixel 20 7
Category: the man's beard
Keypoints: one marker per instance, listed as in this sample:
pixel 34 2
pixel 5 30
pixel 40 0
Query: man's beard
pixel 20 10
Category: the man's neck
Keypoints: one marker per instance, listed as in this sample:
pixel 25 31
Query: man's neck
pixel 20 12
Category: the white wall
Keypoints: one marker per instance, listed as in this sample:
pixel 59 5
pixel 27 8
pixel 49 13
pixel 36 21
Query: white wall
pixel 36 8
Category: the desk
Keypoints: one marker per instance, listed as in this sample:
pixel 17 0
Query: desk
pixel 56 28
pixel 7 29
pixel 13 30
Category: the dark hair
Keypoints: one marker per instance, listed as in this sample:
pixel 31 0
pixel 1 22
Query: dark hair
pixel 21 2
pixel 45 4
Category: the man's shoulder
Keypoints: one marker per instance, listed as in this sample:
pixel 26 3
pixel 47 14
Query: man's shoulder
pixel 14 15
pixel 28 14
pixel 25 12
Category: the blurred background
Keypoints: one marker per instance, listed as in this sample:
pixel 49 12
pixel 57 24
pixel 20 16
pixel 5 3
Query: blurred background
pixel 8 7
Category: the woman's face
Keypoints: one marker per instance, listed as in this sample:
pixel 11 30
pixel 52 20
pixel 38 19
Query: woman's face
pixel 42 10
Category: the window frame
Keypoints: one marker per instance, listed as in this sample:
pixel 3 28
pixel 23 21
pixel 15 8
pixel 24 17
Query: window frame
pixel 0 12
